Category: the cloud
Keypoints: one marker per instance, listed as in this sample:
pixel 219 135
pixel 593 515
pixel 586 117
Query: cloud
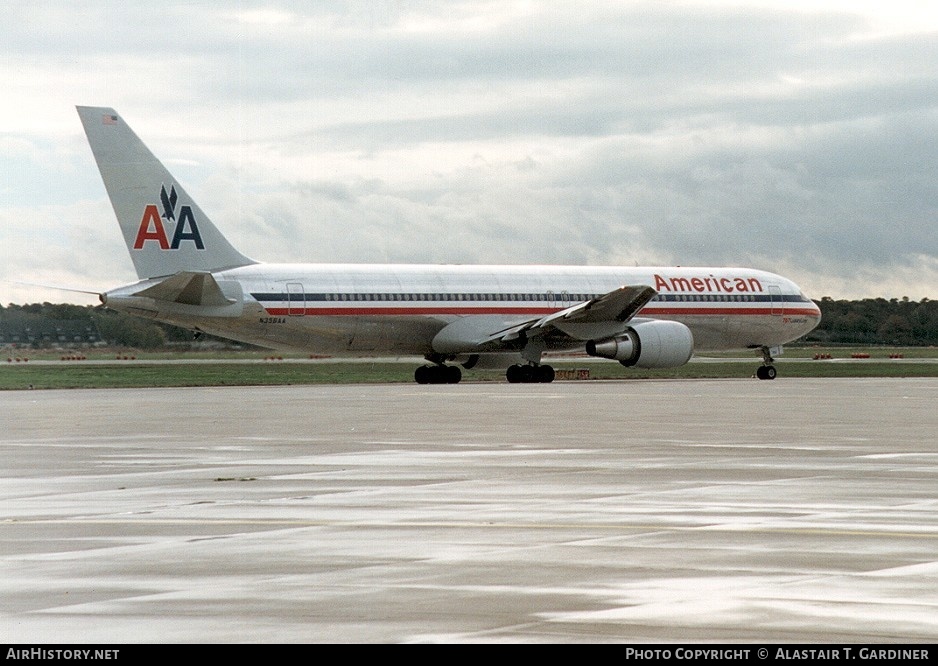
pixel 756 133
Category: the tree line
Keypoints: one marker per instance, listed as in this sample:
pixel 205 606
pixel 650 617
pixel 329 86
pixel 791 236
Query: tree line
pixel 877 321
pixel 872 321
pixel 49 325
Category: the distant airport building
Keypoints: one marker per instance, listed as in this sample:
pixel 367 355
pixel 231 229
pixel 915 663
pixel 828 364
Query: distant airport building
pixel 27 329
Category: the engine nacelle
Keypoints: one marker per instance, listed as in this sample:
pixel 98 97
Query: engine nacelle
pixel 647 344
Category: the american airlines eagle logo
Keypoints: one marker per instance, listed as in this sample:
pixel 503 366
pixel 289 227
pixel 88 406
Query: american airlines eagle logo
pixel 152 227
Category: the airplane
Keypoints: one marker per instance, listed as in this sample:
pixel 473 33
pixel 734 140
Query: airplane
pixel 455 316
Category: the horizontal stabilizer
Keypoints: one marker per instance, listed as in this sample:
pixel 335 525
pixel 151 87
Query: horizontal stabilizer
pixel 188 288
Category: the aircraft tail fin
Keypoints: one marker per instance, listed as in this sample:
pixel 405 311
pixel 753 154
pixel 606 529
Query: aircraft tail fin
pixel 165 230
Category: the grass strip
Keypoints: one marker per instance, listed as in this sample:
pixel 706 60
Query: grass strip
pixel 75 375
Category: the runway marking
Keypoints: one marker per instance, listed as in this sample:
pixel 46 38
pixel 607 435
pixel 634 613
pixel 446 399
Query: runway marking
pixel 279 522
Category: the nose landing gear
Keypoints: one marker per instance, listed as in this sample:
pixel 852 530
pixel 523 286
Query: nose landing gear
pixel 766 370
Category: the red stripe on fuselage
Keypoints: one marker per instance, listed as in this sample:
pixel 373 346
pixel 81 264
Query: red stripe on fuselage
pixel 788 312
pixel 455 310
pixel 366 311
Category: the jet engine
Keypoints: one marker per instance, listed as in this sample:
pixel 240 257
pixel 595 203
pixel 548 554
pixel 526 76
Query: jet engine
pixel 648 344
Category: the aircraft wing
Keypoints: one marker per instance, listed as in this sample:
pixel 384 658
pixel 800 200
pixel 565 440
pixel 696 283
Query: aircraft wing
pixel 612 309
pixel 599 317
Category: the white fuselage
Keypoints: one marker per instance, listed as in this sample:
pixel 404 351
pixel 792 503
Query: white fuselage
pixel 652 317
pixel 354 309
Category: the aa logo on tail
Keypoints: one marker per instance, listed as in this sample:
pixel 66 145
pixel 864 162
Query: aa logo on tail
pixel 152 228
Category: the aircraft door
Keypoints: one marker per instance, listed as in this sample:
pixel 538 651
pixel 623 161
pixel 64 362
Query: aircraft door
pixel 775 294
pixel 296 299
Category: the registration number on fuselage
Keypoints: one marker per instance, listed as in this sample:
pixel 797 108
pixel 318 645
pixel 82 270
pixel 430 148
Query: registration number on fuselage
pixel 273 320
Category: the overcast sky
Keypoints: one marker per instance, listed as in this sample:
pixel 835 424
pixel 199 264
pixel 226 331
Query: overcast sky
pixel 799 138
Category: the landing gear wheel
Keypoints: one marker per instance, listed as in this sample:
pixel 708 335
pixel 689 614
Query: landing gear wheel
pixel 513 374
pixel 546 374
pixel 529 374
pixel 437 374
pixel 422 375
pixel 766 372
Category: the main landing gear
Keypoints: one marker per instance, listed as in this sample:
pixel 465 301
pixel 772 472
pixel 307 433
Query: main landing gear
pixel 766 370
pixel 529 374
pixel 438 374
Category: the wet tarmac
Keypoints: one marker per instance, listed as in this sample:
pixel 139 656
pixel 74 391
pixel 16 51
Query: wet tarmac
pixel 636 511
